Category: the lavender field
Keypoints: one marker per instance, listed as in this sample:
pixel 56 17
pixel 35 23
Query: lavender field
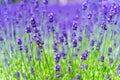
pixel 44 41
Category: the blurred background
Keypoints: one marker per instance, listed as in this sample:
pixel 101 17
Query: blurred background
pixel 61 1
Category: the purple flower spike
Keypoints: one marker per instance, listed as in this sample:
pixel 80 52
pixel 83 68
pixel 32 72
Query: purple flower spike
pixel 1 39
pixel 28 30
pixel 118 68
pixel 84 7
pixel 102 58
pixel 78 76
pixel 32 69
pixel 57 75
pixel 74 26
pixel 57 67
pixel 109 49
pixel 51 17
pixel 111 60
pixel 92 42
pixel 107 76
pixel 69 69
pixel 19 41
pixel 45 2
pixel 84 55
pixel 33 22
pixel 57 57
pixel 74 41
pixel 81 66
pixel 18 74
pixel 80 38
pixel 20 48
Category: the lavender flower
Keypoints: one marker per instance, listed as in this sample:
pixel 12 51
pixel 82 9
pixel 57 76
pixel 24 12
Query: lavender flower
pixel 20 48
pixel 33 22
pixel 107 76
pixel 102 58
pixel 111 60
pixel 84 55
pixel 58 75
pixel 118 68
pixel 51 17
pixel 32 69
pixel 1 39
pixel 19 41
pixel 109 49
pixel 28 30
pixel 74 26
pixel 74 41
pixel 81 66
pixel 57 57
pixel 80 38
pixel 45 2
pixel 57 67
pixel 69 69
pixel 18 74
pixel 78 76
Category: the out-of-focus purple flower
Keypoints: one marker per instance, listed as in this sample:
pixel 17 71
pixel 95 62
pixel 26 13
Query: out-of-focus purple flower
pixel 58 75
pixel 25 75
pixel 28 30
pixel 80 38
pixel 57 57
pixel 45 2
pixel 74 42
pixel 38 51
pixel 78 76
pixel 89 15
pixel 73 34
pixel 102 58
pixel 104 26
pixel 1 38
pixel 57 67
pixel 64 34
pixel 84 55
pixel 109 49
pixel 107 76
pixel 35 29
pixel 61 39
pixel 20 48
pixel 74 26
pixel 92 42
pixel 18 74
pixel 11 47
pixel 69 61
pixel 26 48
pixel 81 66
pixel 63 54
pixel 86 67
pixel 52 29
pixel 19 41
pixel 30 56
pixel 51 17
pixel 111 60
pixel 118 68
pixel 33 22
pixel 98 45
pixel 55 48
pixel 84 6
pixel 69 69
pixel 32 69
